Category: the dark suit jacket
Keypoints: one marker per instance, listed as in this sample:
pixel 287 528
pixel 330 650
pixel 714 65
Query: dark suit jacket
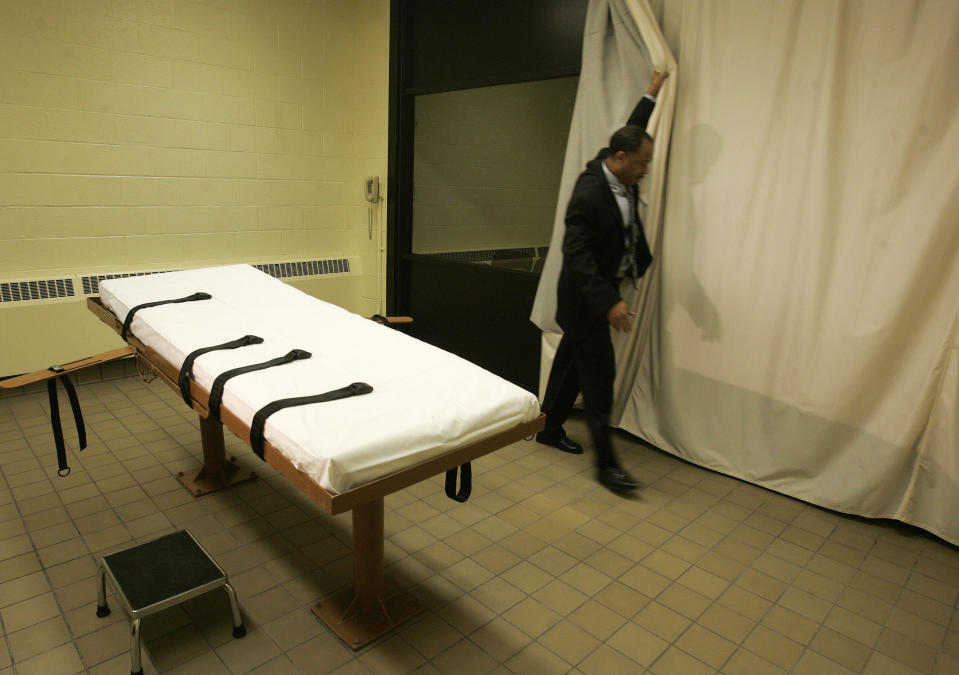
pixel 593 245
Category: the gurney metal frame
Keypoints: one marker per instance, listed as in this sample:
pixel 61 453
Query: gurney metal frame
pixel 374 606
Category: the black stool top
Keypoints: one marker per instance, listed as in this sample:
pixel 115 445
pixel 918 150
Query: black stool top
pixel 161 569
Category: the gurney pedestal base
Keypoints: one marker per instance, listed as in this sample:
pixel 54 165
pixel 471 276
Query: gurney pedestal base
pixel 359 628
pixel 217 473
pixel 203 482
pixel 374 606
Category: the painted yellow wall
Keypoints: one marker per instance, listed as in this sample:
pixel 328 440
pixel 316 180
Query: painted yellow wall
pixel 158 134
pixel 487 165
pixel 370 104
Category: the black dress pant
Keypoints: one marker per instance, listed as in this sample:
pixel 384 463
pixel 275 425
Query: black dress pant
pixel 584 362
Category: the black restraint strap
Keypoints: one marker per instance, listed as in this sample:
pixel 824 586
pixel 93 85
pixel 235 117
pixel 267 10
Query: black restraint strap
pixel 216 391
pixel 186 370
pixel 63 469
pixel 259 419
pixel 466 483
pixel 379 318
pixel 190 298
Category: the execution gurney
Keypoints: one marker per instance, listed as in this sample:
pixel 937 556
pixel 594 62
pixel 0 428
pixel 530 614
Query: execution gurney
pixel 426 411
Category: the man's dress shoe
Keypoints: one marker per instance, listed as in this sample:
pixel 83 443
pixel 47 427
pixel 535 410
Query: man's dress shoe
pixel 559 441
pixel 617 480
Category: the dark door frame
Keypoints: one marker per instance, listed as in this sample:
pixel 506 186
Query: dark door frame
pixel 437 46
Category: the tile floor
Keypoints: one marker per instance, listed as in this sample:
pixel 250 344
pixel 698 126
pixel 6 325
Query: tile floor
pixel 541 571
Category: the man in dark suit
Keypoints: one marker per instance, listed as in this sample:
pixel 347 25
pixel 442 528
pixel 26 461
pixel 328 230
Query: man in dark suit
pixel 604 244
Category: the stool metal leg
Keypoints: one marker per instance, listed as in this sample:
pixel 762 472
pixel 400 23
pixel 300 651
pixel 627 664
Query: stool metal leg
pixel 103 609
pixel 239 630
pixel 136 668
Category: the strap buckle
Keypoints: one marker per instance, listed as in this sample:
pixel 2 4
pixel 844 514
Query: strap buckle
pixel 360 388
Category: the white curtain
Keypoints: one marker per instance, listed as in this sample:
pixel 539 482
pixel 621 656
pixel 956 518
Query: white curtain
pixel 803 309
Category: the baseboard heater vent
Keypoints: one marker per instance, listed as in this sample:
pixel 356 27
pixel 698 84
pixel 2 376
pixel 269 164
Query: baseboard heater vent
pixel 42 289
pixel 59 289
pixel 308 268
pixel 91 284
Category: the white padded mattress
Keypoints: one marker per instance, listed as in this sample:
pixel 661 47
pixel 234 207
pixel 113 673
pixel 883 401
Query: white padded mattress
pixel 425 401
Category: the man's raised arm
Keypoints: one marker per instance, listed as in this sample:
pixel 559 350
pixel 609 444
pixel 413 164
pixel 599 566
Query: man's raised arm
pixel 643 109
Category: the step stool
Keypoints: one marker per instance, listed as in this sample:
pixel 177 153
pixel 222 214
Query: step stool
pixel 159 574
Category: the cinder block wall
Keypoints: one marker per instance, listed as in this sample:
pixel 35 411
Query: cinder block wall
pixel 165 134
pixel 487 165
pixel 368 89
